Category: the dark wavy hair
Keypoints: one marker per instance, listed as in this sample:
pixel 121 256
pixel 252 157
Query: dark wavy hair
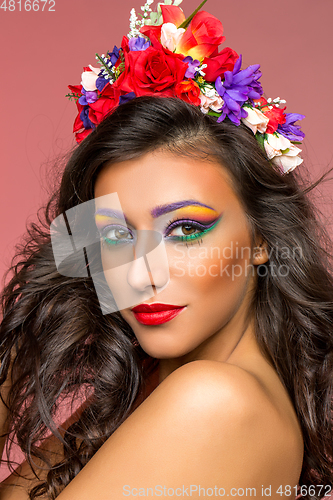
pixel 56 341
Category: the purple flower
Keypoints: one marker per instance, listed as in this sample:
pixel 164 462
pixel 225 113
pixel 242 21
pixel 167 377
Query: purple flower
pixel 88 97
pixel 138 43
pixel 290 130
pixel 192 64
pixel 114 55
pixel 127 97
pixel 238 87
pixel 84 115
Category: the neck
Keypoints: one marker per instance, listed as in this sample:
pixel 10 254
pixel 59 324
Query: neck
pixel 228 345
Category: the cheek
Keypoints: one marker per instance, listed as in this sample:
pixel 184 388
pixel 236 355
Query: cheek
pixel 217 272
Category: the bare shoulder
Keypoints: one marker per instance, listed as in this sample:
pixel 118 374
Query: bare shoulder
pixel 232 401
pixel 209 393
pixel 208 423
pixel 213 384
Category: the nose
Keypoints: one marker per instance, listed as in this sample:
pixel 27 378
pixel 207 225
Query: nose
pixel 150 267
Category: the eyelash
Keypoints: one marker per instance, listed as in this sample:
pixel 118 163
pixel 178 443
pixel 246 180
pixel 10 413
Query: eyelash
pixel 204 228
pixel 173 224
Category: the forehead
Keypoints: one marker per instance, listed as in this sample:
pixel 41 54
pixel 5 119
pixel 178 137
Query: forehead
pixel 160 177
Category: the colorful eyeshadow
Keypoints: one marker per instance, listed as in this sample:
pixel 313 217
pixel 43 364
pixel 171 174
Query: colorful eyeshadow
pixel 205 214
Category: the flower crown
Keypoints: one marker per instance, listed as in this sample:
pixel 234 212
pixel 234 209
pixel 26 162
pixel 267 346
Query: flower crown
pixel 167 55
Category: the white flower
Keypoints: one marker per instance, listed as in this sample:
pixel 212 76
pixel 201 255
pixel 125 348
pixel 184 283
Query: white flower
pixel 171 35
pixel 95 70
pixel 289 160
pixel 88 78
pixel 282 152
pixel 255 120
pixel 201 68
pixel 134 31
pixel 275 144
pixel 212 101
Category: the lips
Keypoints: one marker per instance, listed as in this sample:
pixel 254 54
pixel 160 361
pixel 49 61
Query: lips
pixel 156 314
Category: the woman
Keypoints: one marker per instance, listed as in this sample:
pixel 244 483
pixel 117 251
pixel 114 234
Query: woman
pixel 223 386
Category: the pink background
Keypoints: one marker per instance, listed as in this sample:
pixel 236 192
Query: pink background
pixel 42 52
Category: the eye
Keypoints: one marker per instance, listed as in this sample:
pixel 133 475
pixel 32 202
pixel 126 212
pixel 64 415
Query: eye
pixel 117 234
pixel 186 230
pixel 181 230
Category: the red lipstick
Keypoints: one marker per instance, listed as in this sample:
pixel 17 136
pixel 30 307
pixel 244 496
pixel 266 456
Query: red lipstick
pixel 156 314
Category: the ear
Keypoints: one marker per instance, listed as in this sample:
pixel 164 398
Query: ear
pixel 260 252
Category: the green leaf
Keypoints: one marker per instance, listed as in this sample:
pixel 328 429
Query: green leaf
pixel 187 21
pixel 260 138
pixel 73 96
pixel 105 66
pixel 213 113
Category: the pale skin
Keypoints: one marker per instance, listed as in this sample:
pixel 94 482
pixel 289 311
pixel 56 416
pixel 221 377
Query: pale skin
pixel 219 415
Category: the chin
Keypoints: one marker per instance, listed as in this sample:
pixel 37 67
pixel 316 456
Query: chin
pixel 160 353
pixel 159 346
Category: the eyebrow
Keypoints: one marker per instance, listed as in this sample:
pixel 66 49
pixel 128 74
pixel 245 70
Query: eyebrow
pixel 170 207
pixel 155 212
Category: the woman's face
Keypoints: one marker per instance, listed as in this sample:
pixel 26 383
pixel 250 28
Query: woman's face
pixel 206 289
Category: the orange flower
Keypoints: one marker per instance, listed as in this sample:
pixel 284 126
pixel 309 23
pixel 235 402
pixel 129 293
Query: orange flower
pixel 202 37
pixel 172 14
pixel 188 91
pixel 200 40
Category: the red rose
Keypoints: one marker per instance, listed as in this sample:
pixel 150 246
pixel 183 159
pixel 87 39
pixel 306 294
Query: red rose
pixel 78 124
pixel 124 44
pixel 275 115
pixel 108 100
pixel 149 31
pixel 219 64
pixel 79 136
pixel 188 91
pixel 150 71
pixel 76 90
pixel 202 37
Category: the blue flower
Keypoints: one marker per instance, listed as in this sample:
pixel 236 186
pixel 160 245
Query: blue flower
pixel 238 87
pixel 126 97
pixel 114 55
pixel 84 115
pixel 290 130
pixel 138 43
pixel 100 83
